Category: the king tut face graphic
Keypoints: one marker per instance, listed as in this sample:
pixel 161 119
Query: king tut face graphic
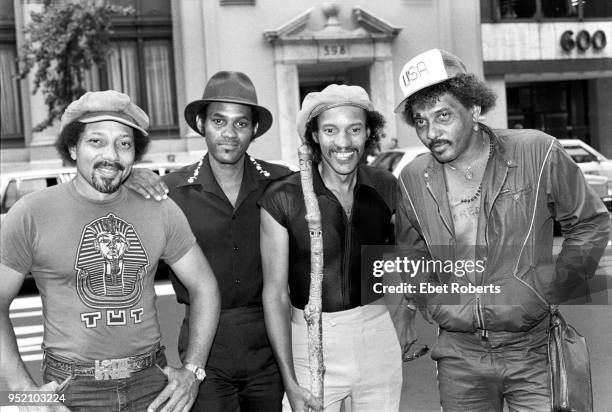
pixel 112 245
pixel 111 264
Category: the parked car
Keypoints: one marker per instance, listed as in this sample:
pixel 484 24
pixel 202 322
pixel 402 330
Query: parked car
pixel 590 160
pixel 596 168
pixel 394 160
pixel 14 185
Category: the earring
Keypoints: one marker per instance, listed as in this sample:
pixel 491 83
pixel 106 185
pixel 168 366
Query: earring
pixel 475 127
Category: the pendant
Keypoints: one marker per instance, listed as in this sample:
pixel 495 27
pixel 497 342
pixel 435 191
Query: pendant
pixel 468 174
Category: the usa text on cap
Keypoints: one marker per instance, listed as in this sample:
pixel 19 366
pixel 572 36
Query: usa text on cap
pixel 426 69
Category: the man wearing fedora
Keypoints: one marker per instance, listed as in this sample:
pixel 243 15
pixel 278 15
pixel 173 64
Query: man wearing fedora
pixel 361 351
pixel 219 196
pixel 92 247
pixel 490 196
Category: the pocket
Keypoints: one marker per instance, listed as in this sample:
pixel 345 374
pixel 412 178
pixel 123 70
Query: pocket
pixel 448 345
pixel 63 379
pixel 159 372
pixel 514 193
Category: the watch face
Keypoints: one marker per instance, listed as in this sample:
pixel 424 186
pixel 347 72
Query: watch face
pixel 200 374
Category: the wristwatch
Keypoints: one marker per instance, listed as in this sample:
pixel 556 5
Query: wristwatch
pixel 199 373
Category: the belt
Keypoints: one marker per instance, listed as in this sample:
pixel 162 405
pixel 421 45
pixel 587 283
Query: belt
pixel 105 369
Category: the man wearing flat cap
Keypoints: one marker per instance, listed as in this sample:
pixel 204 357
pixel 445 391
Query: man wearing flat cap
pixel 92 247
pixel 219 196
pixel 361 351
pixel 490 197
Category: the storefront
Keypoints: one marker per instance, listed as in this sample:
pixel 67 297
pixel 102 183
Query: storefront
pixel 551 61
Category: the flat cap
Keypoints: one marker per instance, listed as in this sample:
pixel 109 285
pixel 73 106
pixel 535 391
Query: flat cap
pixel 426 69
pixel 334 95
pixel 107 105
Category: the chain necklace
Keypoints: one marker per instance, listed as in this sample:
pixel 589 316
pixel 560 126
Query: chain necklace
pixel 479 189
pixel 468 174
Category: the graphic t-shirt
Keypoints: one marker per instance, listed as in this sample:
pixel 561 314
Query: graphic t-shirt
pixel 94 265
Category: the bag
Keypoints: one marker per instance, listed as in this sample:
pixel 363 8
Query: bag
pixel 569 367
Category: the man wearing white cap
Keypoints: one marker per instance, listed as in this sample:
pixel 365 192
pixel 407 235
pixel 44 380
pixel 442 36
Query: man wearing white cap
pixel 490 197
pixel 92 247
pixel 360 348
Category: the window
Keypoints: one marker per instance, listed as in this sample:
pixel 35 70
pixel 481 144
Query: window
pixel 595 9
pixel 10 101
pixel 496 10
pixel 140 63
pixel 11 126
pixel 237 2
pixel 557 108
pixel 580 154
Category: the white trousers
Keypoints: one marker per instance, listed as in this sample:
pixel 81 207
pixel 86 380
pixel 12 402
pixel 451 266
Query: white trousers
pixel 362 359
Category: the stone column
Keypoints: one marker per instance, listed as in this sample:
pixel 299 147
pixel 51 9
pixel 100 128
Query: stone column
pixel 189 29
pixel 288 87
pixel 498 116
pixel 381 93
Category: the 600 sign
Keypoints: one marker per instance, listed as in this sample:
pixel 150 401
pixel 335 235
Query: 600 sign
pixel 583 40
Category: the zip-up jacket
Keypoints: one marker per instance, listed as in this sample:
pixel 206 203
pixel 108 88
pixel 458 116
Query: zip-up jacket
pixel 529 181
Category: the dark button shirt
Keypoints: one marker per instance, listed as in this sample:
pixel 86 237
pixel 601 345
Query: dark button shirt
pixel 228 236
pixel 344 287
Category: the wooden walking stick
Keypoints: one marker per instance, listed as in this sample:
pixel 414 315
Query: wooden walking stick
pixel 313 309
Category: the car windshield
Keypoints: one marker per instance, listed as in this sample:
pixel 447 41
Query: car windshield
pixel 580 154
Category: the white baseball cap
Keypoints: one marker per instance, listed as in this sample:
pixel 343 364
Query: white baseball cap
pixel 426 69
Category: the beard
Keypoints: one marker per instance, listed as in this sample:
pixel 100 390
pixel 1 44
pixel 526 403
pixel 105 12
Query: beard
pixel 107 184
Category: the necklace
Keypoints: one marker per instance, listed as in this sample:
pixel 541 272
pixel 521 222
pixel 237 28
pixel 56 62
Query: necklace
pixel 474 197
pixel 479 189
pixel 468 174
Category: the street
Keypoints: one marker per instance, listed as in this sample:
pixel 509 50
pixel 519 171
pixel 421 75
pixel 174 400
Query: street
pixel 420 392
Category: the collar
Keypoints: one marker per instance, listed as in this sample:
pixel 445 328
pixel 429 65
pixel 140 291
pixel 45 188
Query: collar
pixel 434 173
pixel 201 173
pixel 500 152
pixel 495 175
pixel 363 179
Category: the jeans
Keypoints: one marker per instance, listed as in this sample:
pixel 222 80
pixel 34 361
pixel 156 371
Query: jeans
pixel 478 375
pixel 135 393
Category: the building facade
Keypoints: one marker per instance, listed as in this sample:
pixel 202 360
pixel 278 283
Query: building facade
pixel 551 63
pixel 163 55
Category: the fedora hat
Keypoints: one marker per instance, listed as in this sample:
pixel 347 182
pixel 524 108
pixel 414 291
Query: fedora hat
pixel 229 87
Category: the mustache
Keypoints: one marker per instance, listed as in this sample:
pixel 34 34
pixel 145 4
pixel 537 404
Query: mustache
pixel 105 163
pixel 343 149
pixel 437 141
